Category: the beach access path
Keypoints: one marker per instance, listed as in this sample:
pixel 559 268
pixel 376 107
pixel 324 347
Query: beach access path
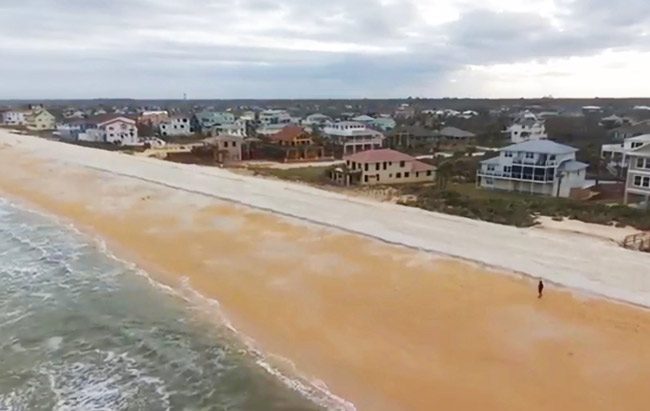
pixel 578 262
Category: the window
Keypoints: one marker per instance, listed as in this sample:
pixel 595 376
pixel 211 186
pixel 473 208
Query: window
pixel 646 182
pixel 398 175
pixel 365 167
pixel 429 173
pixel 637 181
pixel 530 155
pixel 225 144
pixel 417 174
pixel 390 176
pixel 384 165
pixel 365 179
pixel 640 163
pixel 507 169
pixel 402 163
pixel 489 181
pixel 551 157
pixel 377 166
pixel 406 175
pixel 491 167
pixel 234 144
pixel 636 144
pixel 508 154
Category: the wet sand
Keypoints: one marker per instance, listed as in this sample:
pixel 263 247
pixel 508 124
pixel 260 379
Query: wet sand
pixel 385 327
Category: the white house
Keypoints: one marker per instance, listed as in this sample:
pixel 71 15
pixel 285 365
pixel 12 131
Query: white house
pixel 274 117
pixel 617 155
pixel 14 117
pixel 638 176
pixel 119 130
pixel 527 127
pixel 383 166
pixel 179 125
pixel 354 136
pixel 237 129
pixel 536 167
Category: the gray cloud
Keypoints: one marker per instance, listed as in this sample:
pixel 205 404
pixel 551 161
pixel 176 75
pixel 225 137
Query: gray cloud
pixel 292 48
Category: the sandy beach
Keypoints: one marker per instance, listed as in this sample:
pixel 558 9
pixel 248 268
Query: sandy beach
pixel 391 308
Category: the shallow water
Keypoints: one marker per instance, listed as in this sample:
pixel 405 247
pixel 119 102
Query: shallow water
pixel 81 330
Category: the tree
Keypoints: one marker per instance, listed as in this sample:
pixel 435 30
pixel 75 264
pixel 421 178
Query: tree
pixel 443 174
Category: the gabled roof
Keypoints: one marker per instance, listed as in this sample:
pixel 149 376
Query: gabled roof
pixel 493 160
pixel 644 138
pixel 288 133
pixel 363 118
pixel 541 146
pixel 111 118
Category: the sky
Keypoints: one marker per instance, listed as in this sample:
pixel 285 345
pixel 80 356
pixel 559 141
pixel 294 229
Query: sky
pixel 328 49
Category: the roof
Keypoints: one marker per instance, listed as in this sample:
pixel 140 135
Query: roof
pixel 288 133
pixel 573 165
pixel 455 132
pixel 421 166
pixel 363 118
pixel 493 160
pixel 109 118
pixel 643 151
pixel 417 131
pixel 541 146
pixel 378 156
pixel 644 138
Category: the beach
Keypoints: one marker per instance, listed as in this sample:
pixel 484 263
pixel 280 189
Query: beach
pixel 382 307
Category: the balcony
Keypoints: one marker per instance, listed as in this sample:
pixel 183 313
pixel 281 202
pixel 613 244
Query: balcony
pixel 516 177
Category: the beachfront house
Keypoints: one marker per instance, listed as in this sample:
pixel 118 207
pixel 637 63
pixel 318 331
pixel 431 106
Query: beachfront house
pixel 416 136
pixel 226 148
pixel 454 134
pixel 294 143
pixel 274 117
pixel 153 118
pixel 638 176
pixel 14 117
pixel 177 126
pixel 353 137
pixel 536 167
pixel 384 166
pixel 39 119
pixel 617 156
pixel 206 120
pixel 526 127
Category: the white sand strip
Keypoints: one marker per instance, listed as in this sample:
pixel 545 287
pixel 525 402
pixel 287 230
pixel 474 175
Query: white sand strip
pixel 581 263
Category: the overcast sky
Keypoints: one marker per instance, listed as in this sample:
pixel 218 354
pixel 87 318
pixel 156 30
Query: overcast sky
pixel 329 48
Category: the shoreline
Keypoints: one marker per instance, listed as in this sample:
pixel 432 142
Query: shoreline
pixel 383 326
pixel 313 390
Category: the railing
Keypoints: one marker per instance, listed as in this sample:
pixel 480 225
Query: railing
pixel 521 177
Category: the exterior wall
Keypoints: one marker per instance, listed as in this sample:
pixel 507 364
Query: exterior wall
pixel 153 119
pixel 13 118
pixel 617 155
pixel 120 132
pixel 229 149
pixel 271 117
pixel 520 133
pixel 177 126
pixel 527 187
pixel 570 180
pixel 40 121
pixel 638 176
pixel 389 172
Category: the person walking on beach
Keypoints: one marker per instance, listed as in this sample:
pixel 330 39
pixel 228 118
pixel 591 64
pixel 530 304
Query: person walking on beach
pixel 540 289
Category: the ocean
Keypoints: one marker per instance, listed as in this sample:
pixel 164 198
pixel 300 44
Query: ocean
pixel 82 330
